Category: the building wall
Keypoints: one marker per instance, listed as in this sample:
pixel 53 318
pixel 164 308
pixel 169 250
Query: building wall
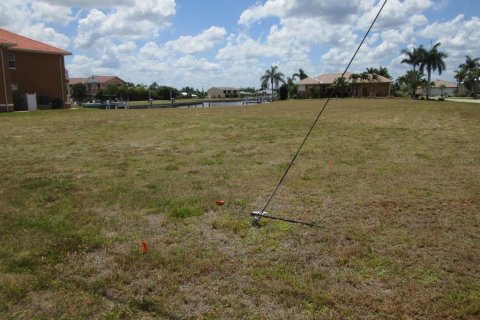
pixel 6 102
pixel 43 74
pixel 373 89
pixel 215 93
pixel 223 93
pixel 449 92
pixel 361 90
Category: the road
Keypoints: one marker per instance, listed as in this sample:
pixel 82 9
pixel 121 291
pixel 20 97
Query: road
pixel 464 100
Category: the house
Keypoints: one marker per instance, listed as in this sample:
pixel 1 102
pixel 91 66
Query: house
pixel 31 67
pixel 440 88
pixel 223 92
pixel 323 86
pixel 94 84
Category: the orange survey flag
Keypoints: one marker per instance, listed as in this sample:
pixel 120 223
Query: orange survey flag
pixel 144 246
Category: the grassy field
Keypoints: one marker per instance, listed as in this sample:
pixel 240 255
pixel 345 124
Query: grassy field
pixel 393 185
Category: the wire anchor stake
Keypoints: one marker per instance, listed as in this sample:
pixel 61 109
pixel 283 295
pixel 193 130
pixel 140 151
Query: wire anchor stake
pixel 263 214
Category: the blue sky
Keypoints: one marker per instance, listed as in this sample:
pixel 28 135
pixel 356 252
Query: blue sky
pixel 231 43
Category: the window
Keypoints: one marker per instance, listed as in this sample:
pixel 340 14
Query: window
pixel 11 60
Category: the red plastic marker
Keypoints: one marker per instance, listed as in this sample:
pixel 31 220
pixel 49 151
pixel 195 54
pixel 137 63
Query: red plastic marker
pixel 220 202
pixel 144 246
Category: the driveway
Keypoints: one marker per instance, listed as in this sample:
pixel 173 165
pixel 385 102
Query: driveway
pixel 464 100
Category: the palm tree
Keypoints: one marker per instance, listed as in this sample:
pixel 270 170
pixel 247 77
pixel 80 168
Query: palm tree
pixel 292 88
pixel 301 75
pixel 414 57
pixel 470 63
pixel 433 61
pixel 340 84
pixel 375 79
pixel 273 76
pixel 383 71
pixel 442 87
pixel 460 75
pixel 354 77
pixel 364 77
pixel 414 79
pixel 470 70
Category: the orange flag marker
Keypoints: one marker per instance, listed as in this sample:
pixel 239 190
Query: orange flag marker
pixel 144 246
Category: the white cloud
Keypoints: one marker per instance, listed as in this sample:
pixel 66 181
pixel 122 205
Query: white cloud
pixel 200 43
pixel 244 49
pixel 47 12
pixel 191 63
pixel 458 38
pixel 82 66
pixel 396 13
pixel 142 19
pixel 399 37
pixel 136 39
pixel 333 11
pixel 28 22
pixel 47 35
pixel 152 51
pixel 90 3
pixel 89 29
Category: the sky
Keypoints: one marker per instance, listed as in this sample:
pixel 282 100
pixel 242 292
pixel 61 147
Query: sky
pixel 205 43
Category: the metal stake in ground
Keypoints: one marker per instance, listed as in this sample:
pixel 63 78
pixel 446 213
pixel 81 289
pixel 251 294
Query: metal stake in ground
pixel 258 214
pixel 257 217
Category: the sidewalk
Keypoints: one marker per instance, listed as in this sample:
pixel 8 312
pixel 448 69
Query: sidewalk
pixel 463 100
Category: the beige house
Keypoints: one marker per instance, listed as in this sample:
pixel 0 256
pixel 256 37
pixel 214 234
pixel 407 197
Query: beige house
pixel 223 92
pixel 322 87
pixel 440 88
pixel 94 84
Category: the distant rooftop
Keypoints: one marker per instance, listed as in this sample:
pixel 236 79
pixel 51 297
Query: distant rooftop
pixel 93 79
pixel 224 88
pixel 447 84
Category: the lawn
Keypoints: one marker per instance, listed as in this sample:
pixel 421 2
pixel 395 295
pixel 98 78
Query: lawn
pixel 393 186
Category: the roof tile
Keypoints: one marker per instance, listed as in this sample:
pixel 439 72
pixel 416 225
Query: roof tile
pixel 26 44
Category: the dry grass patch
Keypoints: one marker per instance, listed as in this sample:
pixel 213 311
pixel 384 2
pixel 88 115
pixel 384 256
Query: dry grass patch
pixel 393 185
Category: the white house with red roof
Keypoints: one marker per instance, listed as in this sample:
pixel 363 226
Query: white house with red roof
pixel 440 88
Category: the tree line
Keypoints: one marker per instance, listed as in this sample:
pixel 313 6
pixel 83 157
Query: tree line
pixel 429 61
pixel 136 92
pixel 424 63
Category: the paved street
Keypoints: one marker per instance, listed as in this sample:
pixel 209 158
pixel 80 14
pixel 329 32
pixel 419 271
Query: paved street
pixel 464 100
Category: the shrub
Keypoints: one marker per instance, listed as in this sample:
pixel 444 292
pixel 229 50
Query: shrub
pixel 57 103
pixel 283 92
pixel 43 100
pixel 19 101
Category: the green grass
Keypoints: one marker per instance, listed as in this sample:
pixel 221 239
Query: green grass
pixel 393 186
